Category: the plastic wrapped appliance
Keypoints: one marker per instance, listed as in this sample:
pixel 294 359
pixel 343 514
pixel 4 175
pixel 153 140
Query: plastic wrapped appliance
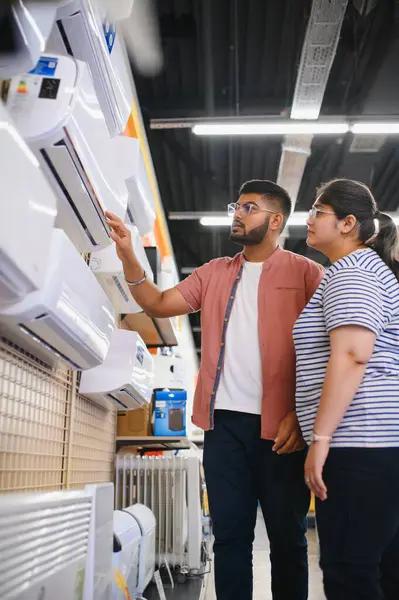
pixel 108 269
pixel 57 112
pixel 125 378
pixel 84 29
pixel 29 210
pixel 70 317
pixel 148 528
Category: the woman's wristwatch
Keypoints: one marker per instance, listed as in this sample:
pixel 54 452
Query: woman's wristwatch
pixel 320 438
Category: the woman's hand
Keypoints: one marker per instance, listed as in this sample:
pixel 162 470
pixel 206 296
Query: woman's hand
pixel 314 465
pixel 122 237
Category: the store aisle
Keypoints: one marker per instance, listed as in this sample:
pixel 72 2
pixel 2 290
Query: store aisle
pixel 262 567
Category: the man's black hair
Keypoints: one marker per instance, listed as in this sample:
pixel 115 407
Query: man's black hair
pixel 269 189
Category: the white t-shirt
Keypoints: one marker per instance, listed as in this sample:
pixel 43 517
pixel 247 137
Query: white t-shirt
pixel 240 388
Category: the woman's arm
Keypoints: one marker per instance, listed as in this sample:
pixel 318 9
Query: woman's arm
pixel 351 349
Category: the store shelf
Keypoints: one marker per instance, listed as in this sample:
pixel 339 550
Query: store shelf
pixel 156 333
pixel 153 443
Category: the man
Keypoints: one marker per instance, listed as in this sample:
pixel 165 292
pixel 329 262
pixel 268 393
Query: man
pixel 244 400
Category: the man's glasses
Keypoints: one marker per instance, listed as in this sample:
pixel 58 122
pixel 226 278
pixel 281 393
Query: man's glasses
pixel 246 208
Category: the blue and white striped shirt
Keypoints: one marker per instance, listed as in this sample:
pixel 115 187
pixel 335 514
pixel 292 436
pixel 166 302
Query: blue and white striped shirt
pixel 360 290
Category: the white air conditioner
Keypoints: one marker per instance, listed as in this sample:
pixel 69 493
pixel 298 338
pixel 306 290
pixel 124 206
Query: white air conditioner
pixel 141 202
pixel 84 29
pixel 108 269
pixel 70 317
pixel 57 112
pixel 31 24
pixel 29 210
pixel 125 378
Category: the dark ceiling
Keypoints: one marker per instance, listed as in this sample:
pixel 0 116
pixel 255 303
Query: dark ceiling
pixel 228 57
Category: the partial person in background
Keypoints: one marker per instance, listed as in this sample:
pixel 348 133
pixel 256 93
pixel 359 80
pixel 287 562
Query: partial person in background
pixel 347 346
pixel 246 387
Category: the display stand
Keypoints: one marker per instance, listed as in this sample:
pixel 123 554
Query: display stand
pixel 153 443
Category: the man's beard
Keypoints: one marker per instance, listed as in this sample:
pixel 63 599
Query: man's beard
pixel 253 237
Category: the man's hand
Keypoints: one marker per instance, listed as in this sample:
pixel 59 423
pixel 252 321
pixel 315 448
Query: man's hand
pixel 121 236
pixel 289 437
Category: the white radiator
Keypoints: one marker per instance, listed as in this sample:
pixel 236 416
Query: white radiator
pixel 171 488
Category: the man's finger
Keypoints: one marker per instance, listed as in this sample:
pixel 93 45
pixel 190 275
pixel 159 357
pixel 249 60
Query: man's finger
pixel 289 445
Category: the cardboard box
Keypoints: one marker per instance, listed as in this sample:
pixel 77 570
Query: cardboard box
pixel 135 423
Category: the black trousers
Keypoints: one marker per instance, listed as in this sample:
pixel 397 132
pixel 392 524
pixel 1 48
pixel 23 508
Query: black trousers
pixel 240 470
pixel 358 524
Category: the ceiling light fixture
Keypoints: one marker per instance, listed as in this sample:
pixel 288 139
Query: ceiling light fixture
pixel 276 128
pixel 297 219
pixel 375 128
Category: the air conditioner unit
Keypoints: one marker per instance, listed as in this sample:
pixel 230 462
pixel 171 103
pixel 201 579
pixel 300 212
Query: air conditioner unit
pixel 28 218
pixel 30 23
pixel 108 269
pixel 70 317
pixel 141 202
pixel 84 29
pixel 57 112
pixel 125 378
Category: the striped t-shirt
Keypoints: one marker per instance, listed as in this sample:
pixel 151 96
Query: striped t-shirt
pixel 360 290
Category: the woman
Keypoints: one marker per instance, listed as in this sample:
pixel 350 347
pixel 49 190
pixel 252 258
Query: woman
pixel 347 344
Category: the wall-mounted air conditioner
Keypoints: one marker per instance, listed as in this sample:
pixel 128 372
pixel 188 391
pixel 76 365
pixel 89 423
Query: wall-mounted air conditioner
pixel 84 29
pixel 141 203
pixel 69 318
pixel 30 24
pixel 57 112
pixel 125 378
pixel 108 269
pixel 29 210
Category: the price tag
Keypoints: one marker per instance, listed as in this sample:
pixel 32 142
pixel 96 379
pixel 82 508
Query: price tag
pixel 159 584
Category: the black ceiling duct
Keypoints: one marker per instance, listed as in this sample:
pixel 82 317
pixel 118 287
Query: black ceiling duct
pixel 364 7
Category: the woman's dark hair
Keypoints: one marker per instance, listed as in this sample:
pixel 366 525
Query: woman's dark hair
pixel 348 197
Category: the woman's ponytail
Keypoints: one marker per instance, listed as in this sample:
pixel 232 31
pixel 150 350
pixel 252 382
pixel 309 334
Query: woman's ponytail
pixel 386 242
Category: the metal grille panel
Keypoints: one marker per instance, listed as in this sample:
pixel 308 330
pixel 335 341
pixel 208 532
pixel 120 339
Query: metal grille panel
pixel 34 420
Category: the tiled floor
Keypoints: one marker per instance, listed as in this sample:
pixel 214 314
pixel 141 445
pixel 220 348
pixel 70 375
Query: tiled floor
pixel 262 568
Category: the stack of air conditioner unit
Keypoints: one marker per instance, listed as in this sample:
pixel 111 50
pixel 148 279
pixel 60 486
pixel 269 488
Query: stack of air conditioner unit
pixel 27 219
pixel 57 112
pixel 70 317
pixel 125 379
pixel 108 269
pixel 84 30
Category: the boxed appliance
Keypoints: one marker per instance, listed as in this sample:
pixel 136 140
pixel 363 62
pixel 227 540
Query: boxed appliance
pixel 170 412
pixel 136 422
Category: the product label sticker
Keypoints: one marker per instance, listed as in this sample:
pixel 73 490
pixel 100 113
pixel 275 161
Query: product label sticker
pixel 49 88
pixel 46 66
pixel 21 94
pixel 140 355
pixel 109 34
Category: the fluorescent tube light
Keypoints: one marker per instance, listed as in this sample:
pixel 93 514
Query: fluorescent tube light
pixel 216 221
pixel 375 128
pixel 276 128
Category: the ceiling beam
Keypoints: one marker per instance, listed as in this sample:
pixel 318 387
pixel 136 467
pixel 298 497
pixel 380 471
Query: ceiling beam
pixel 318 53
